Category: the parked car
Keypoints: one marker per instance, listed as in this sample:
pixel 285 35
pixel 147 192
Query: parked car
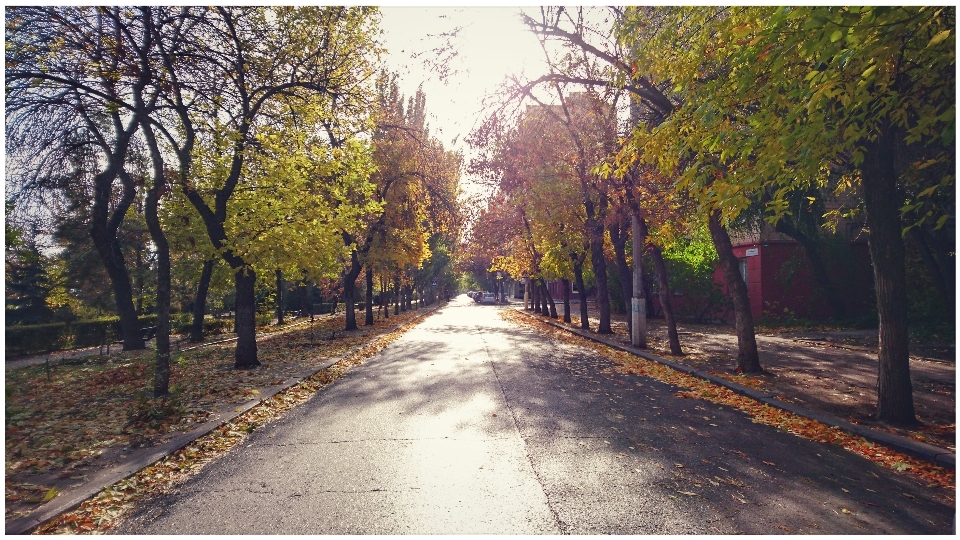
pixel 488 298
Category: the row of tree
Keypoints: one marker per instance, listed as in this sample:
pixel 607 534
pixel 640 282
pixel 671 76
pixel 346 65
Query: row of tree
pixel 679 118
pixel 266 141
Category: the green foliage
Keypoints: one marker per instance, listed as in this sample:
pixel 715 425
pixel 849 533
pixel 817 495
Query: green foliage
pixel 690 264
pixel 41 338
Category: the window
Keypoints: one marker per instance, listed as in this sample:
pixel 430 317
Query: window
pixel 743 270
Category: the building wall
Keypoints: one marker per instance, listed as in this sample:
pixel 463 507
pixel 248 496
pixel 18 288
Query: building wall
pixel 780 283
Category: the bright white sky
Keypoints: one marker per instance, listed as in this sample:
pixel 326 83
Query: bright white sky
pixel 492 45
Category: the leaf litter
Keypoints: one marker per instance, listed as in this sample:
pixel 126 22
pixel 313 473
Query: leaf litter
pixel 60 425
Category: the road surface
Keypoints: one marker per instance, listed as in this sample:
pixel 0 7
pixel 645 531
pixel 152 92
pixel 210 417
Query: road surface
pixel 467 424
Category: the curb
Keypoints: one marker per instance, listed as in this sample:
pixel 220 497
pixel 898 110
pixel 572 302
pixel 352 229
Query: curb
pixel 927 452
pixel 70 499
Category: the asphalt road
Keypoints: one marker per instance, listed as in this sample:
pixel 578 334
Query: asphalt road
pixel 467 424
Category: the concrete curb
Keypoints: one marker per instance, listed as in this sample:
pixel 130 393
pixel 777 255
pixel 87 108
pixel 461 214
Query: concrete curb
pixel 70 499
pixel 927 452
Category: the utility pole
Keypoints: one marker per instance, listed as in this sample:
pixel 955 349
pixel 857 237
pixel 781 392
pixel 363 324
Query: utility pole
pixel 638 304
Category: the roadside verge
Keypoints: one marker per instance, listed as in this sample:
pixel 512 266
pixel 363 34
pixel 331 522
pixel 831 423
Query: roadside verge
pixel 144 458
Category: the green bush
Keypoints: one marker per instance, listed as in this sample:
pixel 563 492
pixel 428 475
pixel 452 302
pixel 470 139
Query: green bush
pixel 210 326
pixel 35 338
pixel 263 319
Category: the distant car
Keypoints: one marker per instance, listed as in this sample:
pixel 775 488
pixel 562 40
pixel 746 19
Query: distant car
pixel 488 298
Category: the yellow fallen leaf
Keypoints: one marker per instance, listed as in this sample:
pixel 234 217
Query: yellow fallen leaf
pixel 845 511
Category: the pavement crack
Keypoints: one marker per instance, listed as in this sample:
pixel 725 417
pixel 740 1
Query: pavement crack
pixel 560 524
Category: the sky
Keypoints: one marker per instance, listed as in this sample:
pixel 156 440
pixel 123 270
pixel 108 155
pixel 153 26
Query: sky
pixel 492 44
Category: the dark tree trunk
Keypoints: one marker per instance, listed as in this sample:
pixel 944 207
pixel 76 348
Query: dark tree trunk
pixel 408 292
pixel 349 291
pixel 882 203
pixel 665 304
pixel 368 321
pixel 246 319
pixel 663 280
pixel 279 297
pixel 600 272
pixel 618 237
pixel 552 313
pixel 748 359
pixel 535 295
pixel 200 303
pixel 105 225
pixel 304 292
pixel 384 299
pixel 820 274
pixel 397 298
pixel 578 280
pixel 161 374
pixel 566 299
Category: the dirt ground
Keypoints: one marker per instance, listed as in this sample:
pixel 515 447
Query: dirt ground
pixel 829 371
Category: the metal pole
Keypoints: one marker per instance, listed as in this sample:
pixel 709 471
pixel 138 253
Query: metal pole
pixel 638 307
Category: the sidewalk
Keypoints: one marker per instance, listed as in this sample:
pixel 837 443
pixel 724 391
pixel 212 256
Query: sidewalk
pixel 821 372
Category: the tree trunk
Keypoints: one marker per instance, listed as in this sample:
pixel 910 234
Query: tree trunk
pixel 369 300
pixel 103 231
pixel 600 272
pixel 535 291
pixel 665 304
pixel 397 298
pixel 882 203
pixel 161 374
pixel 279 297
pixel 200 303
pixel 578 280
pixel 820 274
pixel 566 299
pixel 618 237
pixel 350 290
pixel 384 298
pixel 246 319
pixel 549 307
pixel 748 359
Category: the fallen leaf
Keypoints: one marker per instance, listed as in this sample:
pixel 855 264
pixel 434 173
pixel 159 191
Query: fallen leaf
pixel 770 463
pixel 687 493
pixel 845 511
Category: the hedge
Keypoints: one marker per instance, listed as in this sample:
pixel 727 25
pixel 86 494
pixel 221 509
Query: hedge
pixel 42 338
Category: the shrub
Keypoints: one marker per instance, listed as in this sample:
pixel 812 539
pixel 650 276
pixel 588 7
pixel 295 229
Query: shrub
pixel 42 338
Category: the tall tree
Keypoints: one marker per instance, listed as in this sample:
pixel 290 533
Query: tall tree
pixel 263 62
pixel 71 76
pixel 797 90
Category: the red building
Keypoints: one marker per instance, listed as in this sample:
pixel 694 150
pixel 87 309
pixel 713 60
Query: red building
pixel 780 282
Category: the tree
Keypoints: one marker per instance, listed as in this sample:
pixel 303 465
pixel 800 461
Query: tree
pixel 257 64
pixel 71 78
pixel 794 91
